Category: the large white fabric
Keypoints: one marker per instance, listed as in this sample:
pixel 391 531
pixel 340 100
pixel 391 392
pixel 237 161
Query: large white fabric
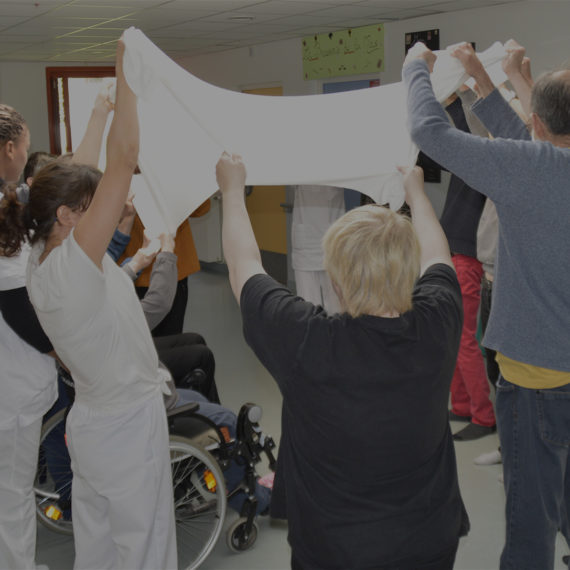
pixel 28 377
pixel 353 140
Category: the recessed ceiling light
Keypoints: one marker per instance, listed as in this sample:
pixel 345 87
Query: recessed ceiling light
pixel 242 18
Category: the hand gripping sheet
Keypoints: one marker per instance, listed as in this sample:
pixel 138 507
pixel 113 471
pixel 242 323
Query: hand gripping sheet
pixel 352 140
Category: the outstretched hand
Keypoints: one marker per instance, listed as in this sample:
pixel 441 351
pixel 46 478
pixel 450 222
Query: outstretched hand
pixel 421 51
pixel 144 255
pixel 465 53
pixel 230 173
pixel 129 208
pixel 104 102
pixel 513 60
pixel 413 181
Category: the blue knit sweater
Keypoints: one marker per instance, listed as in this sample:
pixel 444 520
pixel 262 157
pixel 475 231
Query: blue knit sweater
pixel 529 182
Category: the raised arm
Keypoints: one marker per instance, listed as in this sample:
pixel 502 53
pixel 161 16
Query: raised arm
pixel 474 68
pixel 159 297
pixel 434 245
pixel 240 248
pixel 492 109
pixel 95 229
pixel 513 67
pixel 89 148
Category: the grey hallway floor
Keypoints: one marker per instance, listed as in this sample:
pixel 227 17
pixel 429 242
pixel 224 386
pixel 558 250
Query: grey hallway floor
pixel 213 312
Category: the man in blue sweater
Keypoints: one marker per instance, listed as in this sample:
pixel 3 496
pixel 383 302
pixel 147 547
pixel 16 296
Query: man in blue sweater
pixel 528 180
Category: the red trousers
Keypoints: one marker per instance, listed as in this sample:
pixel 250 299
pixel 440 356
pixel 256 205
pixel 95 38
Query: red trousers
pixel 469 386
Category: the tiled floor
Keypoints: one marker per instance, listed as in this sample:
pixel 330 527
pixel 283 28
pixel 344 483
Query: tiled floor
pixel 214 313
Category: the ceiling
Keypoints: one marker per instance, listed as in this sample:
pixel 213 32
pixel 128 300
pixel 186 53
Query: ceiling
pixel 87 30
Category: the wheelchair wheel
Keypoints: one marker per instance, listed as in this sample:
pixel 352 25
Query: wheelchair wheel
pixel 52 486
pixel 197 481
pixel 238 539
pixel 199 501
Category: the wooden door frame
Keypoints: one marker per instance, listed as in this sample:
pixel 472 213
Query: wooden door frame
pixel 52 75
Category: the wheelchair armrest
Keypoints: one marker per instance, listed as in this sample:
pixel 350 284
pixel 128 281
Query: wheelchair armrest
pixel 185 410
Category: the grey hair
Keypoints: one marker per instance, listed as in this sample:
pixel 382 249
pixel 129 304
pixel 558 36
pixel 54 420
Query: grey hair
pixel 550 100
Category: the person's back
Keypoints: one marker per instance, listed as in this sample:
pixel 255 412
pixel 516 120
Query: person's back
pixel 366 456
pixel 530 318
pixel 366 446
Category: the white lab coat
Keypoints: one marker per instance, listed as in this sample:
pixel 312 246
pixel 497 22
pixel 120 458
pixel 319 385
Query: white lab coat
pixel 315 209
pixel 29 388
pixel 122 498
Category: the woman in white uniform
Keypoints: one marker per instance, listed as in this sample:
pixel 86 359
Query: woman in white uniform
pixel 314 210
pixel 122 505
pixel 27 376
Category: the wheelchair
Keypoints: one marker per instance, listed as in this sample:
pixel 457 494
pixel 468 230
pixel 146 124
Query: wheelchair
pixel 200 452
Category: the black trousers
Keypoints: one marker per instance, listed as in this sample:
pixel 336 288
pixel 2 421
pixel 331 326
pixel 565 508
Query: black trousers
pixel 183 353
pixel 485 310
pixel 444 561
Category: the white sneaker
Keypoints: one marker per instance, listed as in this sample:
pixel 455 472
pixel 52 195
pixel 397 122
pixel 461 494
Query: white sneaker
pixel 490 458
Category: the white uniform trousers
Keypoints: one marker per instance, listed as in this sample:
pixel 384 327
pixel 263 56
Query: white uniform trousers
pixel 122 498
pixel 18 464
pixel 316 287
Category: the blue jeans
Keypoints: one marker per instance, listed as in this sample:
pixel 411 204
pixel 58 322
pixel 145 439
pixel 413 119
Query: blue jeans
pixel 534 429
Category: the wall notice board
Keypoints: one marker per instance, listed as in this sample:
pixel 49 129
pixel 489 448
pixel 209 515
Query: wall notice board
pixel 348 52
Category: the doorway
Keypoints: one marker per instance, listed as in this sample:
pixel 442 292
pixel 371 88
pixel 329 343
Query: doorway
pixel 71 92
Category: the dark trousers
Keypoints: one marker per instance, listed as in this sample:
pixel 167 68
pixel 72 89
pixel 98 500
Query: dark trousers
pixel 491 365
pixel 444 561
pixel 183 353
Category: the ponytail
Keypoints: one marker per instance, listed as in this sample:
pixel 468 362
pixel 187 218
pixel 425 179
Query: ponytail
pixel 58 183
pixel 14 222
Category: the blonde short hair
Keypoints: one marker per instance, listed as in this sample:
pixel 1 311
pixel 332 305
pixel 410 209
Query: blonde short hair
pixel 372 254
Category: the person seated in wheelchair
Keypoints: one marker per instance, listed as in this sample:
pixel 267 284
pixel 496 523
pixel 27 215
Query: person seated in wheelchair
pixel 186 355
pixel 189 382
pixel 235 468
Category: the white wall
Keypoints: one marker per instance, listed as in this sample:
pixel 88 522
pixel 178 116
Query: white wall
pixel 540 25
pixel 23 86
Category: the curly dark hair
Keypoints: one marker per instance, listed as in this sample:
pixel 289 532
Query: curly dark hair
pixel 12 124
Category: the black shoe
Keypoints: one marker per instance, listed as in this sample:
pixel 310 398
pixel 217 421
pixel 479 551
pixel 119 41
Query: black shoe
pixel 473 431
pixel 455 418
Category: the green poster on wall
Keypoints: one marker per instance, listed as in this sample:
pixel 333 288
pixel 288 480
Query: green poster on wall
pixel 348 52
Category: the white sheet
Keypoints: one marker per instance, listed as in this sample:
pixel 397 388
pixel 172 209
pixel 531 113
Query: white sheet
pixel 352 140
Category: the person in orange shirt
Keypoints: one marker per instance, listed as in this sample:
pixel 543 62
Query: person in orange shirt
pixel 188 263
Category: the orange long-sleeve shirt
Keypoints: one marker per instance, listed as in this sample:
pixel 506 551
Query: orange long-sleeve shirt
pixel 184 247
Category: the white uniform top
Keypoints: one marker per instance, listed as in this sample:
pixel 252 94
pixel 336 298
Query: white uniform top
pixel 96 324
pixel 314 210
pixel 28 377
